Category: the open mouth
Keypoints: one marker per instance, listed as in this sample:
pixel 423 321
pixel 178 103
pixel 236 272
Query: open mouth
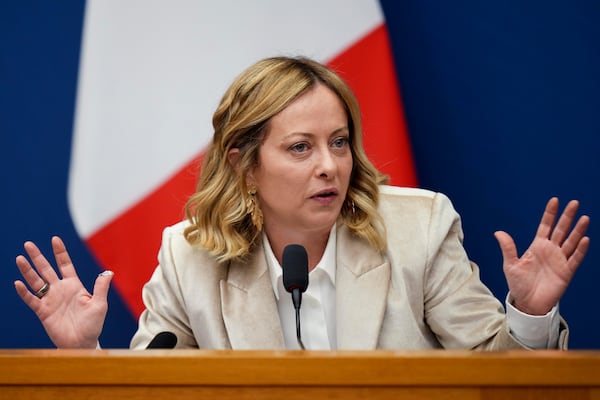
pixel 325 195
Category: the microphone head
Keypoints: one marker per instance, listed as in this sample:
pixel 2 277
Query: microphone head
pixel 163 340
pixel 295 268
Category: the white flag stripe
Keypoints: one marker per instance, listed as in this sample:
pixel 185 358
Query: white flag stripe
pixel 152 73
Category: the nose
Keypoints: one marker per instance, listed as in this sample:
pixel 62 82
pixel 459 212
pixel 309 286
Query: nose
pixel 326 165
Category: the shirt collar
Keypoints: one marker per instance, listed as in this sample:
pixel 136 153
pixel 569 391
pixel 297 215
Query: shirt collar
pixel 327 263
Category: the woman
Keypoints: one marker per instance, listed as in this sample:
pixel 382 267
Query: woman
pixel 387 265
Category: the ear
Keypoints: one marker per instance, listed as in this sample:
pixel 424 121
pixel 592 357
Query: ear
pixel 234 158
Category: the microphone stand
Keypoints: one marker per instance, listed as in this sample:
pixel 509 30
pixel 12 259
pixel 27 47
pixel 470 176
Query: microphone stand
pixel 297 300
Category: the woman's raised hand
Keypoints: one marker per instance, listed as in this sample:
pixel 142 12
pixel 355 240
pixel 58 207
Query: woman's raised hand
pixel 538 279
pixel 72 317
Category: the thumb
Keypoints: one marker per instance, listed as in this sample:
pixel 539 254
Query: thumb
pixel 103 284
pixel 507 246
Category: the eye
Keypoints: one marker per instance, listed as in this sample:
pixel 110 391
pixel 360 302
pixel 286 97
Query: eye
pixel 340 142
pixel 299 147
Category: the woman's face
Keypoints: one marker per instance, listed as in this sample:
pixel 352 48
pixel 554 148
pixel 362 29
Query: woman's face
pixel 305 164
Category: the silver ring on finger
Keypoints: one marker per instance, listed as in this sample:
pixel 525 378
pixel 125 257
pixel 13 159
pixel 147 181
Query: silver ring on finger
pixel 43 290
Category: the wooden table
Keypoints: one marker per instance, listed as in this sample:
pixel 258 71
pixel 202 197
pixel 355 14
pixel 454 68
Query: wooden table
pixel 187 374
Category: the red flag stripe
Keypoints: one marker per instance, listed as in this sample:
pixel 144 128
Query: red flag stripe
pixel 128 245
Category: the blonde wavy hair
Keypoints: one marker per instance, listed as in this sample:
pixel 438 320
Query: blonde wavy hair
pixel 218 211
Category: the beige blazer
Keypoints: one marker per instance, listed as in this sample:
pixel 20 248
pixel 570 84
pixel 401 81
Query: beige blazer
pixel 422 293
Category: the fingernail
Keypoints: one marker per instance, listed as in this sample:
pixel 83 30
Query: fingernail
pixel 106 273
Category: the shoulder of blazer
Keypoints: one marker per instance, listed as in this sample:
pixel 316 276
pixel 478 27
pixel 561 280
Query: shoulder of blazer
pixel 183 256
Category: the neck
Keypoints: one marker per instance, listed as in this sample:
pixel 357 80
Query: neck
pixel 314 243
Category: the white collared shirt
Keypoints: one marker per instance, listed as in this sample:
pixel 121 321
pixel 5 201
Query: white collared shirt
pixel 318 312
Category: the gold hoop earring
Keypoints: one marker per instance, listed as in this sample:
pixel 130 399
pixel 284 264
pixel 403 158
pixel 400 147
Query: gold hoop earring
pixel 254 210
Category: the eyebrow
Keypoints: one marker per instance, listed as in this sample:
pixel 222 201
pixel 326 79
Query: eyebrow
pixel 310 135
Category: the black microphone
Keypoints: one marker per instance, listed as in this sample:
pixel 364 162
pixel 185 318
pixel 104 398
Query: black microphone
pixel 295 279
pixel 163 340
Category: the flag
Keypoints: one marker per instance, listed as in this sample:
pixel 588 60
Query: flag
pixel 151 75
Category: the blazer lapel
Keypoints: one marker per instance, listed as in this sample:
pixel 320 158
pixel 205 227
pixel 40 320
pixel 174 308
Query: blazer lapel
pixel 249 306
pixel 362 283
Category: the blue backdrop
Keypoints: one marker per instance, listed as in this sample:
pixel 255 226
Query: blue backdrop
pixel 501 99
